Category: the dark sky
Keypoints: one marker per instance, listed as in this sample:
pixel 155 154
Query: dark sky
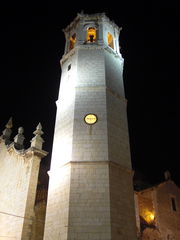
pixel 32 43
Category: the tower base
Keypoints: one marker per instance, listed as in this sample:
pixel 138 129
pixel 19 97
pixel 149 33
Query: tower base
pixel 90 200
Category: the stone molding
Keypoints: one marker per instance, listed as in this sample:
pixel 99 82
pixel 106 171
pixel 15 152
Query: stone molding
pixel 90 46
pixel 25 152
pixel 110 163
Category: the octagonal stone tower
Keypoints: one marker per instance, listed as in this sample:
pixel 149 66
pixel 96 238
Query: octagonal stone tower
pixel 90 190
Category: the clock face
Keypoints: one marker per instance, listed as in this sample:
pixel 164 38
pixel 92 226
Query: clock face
pixel 90 119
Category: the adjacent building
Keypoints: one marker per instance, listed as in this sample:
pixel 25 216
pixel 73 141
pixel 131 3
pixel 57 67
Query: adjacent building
pixel 158 212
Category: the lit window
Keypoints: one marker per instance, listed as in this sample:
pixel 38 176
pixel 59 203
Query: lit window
pixel 72 41
pixel 110 40
pixel 173 204
pixel 91 34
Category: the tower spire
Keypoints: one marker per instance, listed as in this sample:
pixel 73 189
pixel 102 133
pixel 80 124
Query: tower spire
pixel 37 140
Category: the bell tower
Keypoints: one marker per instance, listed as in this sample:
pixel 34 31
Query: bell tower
pixel 90 190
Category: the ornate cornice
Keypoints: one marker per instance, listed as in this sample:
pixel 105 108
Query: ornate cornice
pixel 89 46
pixel 25 152
pixel 109 163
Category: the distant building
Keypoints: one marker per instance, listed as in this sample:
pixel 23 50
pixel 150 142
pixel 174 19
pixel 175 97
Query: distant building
pixel 158 211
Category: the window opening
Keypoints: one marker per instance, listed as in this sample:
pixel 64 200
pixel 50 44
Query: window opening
pixel 110 40
pixel 69 67
pixel 173 203
pixel 91 34
pixel 72 41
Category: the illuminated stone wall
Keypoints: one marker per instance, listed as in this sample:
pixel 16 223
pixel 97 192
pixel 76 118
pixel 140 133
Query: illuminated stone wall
pixel 18 177
pixel 57 212
pixel 39 221
pixel 123 225
pixel 89 205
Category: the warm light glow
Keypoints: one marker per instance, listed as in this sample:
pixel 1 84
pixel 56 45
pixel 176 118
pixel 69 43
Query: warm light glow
pixel 72 41
pixel 151 216
pixel 91 34
pixel 90 119
pixel 148 216
pixel 110 41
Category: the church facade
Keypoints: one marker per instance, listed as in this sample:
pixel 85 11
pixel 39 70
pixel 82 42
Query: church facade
pixel 19 170
pixel 157 211
pixel 90 194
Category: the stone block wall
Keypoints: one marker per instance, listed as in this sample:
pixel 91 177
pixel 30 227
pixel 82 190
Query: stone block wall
pixel 57 212
pixel 18 177
pixel 169 219
pixel 39 222
pixel 122 210
pixel 89 205
pixel 91 200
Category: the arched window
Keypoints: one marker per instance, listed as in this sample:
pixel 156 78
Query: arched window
pixel 72 41
pixel 91 34
pixel 110 40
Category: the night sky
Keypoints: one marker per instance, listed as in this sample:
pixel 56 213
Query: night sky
pixel 32 43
